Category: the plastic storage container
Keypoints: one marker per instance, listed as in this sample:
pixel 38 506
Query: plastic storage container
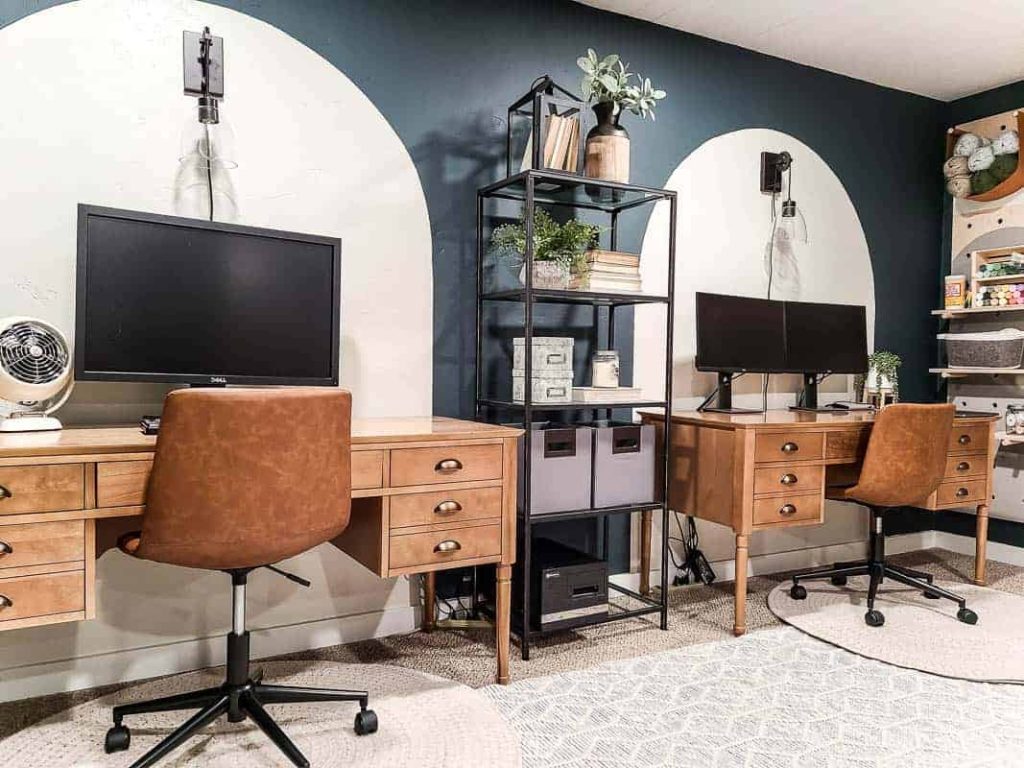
pixel 623 464
pixel 990 349
pixel 560 469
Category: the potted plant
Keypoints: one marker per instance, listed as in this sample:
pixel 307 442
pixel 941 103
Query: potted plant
pixel 882 383
pixel 557 248
pixel 611 87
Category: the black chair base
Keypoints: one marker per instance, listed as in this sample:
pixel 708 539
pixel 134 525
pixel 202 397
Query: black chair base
pixel 878 570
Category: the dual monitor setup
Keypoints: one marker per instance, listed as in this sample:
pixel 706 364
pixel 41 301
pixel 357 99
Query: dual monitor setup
pixel 185 301
pixel 738 335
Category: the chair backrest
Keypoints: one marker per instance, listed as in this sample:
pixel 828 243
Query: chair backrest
pixel 906 456
pixel 248 477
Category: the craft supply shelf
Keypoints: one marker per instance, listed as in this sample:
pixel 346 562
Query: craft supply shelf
pixel 990 127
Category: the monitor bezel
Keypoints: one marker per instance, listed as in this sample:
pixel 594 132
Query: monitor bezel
pixel 213 378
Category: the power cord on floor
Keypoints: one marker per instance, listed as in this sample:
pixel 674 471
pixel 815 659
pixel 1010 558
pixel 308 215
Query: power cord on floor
pixel 694 566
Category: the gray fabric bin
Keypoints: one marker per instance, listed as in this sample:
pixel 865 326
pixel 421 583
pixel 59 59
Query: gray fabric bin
pixel 993 349
pixel 623 464
pixel 560 468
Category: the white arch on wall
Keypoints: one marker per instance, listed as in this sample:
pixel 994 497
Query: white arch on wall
pixel 722 229
pixel 94 114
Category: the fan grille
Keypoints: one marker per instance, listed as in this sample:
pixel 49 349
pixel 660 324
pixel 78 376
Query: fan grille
pixel 32 353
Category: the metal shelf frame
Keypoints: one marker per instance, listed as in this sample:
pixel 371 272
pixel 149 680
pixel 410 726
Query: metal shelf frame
pixel 543 187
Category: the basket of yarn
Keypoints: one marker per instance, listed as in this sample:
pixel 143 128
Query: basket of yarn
pixel 978 164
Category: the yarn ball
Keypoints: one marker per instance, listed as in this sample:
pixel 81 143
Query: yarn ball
pixel 955 166
pixel 981 158
pixel 1003 166
pixel 959 186
pixel 1006 143
pixel 983 181
pixel 967 144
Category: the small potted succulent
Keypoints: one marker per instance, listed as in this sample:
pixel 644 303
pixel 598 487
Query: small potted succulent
pixel 612 88
pixel 557 248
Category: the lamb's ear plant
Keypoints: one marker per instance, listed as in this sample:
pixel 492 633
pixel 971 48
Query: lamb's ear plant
pixel 608 80
pixel 562 243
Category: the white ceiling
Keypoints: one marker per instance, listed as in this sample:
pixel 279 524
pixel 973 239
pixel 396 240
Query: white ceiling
pixel 939 48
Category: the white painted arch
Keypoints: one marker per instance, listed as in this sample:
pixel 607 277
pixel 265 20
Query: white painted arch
pixel 722 229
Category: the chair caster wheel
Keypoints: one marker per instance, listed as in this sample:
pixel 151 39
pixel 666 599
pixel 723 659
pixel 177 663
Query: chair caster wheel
pixel 874 618
pixel 798 592
pixel 839 581
pixel 967 616
pixel 118 739
pixel 366 722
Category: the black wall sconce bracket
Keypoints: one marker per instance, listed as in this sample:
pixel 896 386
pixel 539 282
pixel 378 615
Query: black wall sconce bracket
pixel 773 165
pixel 203 60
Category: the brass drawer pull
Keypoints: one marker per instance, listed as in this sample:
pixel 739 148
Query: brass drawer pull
pixel 788 479
pixel 787 509
pixel 961 492
pixel 447 508
pixel 447 466
pixel 6 549
pixel 5 493
pixel 790 447
pixel 964 440
pixel 963 466
pixel 6 602
pixel 447 546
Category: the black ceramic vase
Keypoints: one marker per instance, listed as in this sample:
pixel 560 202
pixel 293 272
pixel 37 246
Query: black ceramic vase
pixel 607 154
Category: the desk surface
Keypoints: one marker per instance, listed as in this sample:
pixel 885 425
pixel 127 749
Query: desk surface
pixel 789 419
pixel 129 439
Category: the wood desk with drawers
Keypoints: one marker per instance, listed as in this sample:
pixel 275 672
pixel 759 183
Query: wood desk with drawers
pixel 428 494
pixel 756 472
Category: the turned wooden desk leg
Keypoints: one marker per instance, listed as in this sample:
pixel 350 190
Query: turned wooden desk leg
pixel 980 544
pixel 429 593
pixel 503 618
pixel 646 518
pixel 740 620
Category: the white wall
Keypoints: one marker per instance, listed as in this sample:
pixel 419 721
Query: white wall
pixel 723 226
pixel 93 113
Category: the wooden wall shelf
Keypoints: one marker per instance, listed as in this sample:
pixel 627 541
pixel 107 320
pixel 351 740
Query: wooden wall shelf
pixel 951 314
pixel 990 127
pixel 959 373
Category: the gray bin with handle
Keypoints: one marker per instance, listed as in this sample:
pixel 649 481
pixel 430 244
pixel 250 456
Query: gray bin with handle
pixel 623 464
pixel 559 470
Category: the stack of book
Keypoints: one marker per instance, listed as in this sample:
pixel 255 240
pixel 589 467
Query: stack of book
pixel 609 272
pixel 561 145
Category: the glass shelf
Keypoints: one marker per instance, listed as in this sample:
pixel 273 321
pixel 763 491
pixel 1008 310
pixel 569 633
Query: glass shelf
pixel 550 296
pixel 570 189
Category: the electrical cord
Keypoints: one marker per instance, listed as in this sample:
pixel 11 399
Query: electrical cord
pixel 766 378
pixel 209 166
pixel 707 400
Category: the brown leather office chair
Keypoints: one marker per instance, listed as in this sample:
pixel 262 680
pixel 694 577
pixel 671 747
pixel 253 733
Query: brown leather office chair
pixel 242 479
pixel 904 463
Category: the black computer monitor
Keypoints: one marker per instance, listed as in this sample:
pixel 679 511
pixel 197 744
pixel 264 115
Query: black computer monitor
pixel 169 299
pixel 826 338
pixel 738 334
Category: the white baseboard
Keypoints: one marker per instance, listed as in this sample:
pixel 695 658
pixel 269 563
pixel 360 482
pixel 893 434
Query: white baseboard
pixel 139 663
pixel 964 545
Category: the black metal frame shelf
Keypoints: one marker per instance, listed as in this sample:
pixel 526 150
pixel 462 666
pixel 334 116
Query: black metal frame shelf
pixel 547 187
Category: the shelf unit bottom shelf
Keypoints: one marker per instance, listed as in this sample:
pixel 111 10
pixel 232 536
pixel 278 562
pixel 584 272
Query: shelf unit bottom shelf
pixel 616 612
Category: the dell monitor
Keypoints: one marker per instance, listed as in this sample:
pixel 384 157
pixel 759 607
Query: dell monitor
pixel 824 339
pixel 737 334
pixel 176 300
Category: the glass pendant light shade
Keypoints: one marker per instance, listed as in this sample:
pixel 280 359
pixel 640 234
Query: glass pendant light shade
pixel 791 226
pixel 207 145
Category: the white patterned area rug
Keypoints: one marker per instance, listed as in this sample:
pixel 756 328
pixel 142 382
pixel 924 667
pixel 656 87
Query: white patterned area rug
pixel 772 699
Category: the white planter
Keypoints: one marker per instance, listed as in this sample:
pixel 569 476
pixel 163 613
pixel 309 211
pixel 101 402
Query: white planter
pixel 550 275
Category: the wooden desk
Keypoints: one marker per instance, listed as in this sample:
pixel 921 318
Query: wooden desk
pixel 756 472
pixel 428 494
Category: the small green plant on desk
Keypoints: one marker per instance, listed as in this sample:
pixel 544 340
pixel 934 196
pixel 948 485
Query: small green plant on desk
pixel 557 248
pixel 882 381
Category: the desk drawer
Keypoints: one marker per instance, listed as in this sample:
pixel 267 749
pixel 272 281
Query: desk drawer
pixel 966 465
pixel 789 446
pixel 426 466
pixel 41 543
pixel 433 547
pixel 42 488
pixel 960 492
pixel 969 439
pixel 787 510
pixel 788 479
pixel 31 596
pixel 445 506
pixel 122 483
pixel 367 469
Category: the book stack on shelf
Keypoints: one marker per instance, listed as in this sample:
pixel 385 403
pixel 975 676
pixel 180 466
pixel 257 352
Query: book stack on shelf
pixel 561 145
pixel 609 272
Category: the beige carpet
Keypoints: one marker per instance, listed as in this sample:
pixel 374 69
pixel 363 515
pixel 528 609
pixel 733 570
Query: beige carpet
pixel 698 614
pixel 424 721
pixel 918 633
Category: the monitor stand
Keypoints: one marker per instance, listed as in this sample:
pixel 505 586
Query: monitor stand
pixel 724 401
pixel 811 397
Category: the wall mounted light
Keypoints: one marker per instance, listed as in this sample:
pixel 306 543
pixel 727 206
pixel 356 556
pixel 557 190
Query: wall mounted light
pixel 791 225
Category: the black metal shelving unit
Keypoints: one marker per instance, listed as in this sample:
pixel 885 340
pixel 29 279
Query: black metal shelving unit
pixel 554 188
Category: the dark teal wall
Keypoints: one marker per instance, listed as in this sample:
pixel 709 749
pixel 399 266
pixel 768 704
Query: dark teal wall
pixel 444 72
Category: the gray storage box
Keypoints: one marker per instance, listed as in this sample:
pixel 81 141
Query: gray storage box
pixel 623 464
pixel 548 353
pixel 992 349
pixel 560 468
pixel 549 387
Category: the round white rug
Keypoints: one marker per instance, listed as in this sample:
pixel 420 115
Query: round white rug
pixel 918 633
pixel 424 721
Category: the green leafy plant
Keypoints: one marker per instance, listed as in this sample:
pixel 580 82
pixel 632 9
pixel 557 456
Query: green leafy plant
pixel 883 363
pixel 608 80
pixel 562 243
